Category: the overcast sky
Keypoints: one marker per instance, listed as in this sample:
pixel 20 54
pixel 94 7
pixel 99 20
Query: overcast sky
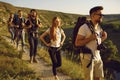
pixel 69 6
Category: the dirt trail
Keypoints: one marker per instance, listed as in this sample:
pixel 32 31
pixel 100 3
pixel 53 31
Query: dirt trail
pixel 42 69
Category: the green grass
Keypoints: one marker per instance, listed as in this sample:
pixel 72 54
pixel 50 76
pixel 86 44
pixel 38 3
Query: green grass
pixel 11 65
pixel 72 69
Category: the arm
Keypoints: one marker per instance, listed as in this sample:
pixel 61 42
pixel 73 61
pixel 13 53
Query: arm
pixel 63 38
pixel 81 40
pixel 104 35
pixel 10 22
pixel 43 40
pixel 39 23
pixel 28 24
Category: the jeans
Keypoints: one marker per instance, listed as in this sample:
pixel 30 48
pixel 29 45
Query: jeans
pixel 19 37
pixel 55 58
pixel 33 42
pixel 12 32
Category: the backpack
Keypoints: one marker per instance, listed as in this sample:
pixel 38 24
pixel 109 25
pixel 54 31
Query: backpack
pixel 80 22
pixel 16 20
pixel 78 49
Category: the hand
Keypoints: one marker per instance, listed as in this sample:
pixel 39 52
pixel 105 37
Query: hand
pixel 17 26
pixel 104 36
pixel 93 36
pixel 61 44
pixel 48 45
pixel 38 25
pixel 23 24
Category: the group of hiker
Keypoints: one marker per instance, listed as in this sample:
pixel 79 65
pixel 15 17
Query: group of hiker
pixel 18 25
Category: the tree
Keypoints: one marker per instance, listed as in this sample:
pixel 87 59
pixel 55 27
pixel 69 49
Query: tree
pixel 110 51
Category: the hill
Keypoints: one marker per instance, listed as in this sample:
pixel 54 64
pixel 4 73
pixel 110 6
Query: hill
pixel 44 15
pixel 68 20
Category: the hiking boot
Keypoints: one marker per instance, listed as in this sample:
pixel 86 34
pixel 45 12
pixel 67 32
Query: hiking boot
pixel 35 60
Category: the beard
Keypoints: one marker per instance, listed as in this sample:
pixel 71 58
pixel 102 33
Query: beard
pixel 99 21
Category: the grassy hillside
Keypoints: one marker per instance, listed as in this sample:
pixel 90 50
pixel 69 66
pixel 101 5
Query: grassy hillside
pixel 67 19
pixel 44 15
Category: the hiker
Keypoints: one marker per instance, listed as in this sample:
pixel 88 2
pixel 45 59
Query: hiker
pixel 57 37
pixel 91 62
pixel 19 22
pixel 32 25
pixel 11 26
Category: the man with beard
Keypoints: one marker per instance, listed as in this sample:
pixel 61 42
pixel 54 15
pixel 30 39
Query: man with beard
pixel 91 62
pixel 19 22
pixel 32 25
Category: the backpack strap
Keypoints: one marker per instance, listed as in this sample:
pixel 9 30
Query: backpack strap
pixel 89 24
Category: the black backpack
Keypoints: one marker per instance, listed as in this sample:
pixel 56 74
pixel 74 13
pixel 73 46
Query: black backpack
pixel 79 23
pixel 78 49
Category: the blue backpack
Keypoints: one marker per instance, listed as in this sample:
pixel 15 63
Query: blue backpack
pixel 17 21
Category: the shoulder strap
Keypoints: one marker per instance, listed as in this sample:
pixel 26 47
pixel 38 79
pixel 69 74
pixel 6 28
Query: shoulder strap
pixel 91 29
pixel 23 19
pixel 90 26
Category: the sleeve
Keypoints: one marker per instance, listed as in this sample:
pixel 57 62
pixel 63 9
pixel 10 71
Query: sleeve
pixel 62 31
pixel 82 30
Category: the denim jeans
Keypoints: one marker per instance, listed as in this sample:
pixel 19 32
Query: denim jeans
pixel 19 37
pixel 33 42
pixel 12 32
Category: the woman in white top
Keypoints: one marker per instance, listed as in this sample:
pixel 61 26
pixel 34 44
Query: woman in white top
pixel 57 38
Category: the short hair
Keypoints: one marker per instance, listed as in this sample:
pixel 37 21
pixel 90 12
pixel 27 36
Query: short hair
pixel 94 9
pixel 19 11
pixel 32 10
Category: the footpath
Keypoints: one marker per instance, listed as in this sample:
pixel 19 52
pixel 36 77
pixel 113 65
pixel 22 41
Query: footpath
pixel 42 69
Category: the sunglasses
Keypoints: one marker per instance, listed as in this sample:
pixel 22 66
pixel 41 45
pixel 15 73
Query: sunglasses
pixel 99 14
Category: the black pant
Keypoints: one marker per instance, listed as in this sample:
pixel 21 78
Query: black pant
pixel 33 42
pixel 55 56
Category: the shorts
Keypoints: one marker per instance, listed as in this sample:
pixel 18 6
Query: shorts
pixel 94 70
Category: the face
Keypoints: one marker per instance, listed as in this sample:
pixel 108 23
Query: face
pixel 11 15
pixel 57 22
pixel 33 14
pixel 20 13
pixel 98 16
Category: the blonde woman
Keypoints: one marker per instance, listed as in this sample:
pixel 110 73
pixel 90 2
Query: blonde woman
pixel 57 38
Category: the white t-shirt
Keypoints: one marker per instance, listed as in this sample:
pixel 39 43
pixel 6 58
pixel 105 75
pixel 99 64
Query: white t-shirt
pixel 85 31
pixel 56 43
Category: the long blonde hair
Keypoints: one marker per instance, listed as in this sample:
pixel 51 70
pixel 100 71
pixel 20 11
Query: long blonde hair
pixel 52 29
